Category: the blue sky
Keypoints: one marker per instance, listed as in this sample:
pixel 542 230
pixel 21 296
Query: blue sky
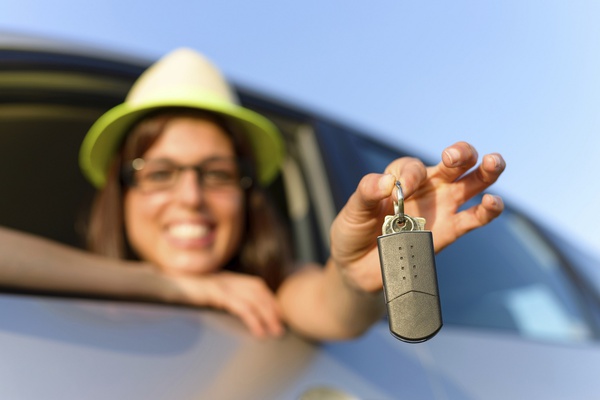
pixel 518 77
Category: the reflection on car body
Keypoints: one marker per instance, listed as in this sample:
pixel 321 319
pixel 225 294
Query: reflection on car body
pixel 520 320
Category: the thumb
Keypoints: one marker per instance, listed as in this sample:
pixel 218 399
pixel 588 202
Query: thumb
pixel 372 197
pixel 366 202
pixel 358 224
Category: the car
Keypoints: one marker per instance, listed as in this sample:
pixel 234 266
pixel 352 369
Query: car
pixel 521 311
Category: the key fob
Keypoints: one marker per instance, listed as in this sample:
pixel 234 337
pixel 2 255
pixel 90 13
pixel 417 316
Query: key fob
pixel 410 284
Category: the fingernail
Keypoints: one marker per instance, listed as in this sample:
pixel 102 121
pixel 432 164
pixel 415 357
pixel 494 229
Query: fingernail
pixel 453 155
pixel 498 164
pixel 496 200
pixel 387 181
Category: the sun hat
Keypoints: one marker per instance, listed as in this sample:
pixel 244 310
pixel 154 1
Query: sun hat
pixel 182 78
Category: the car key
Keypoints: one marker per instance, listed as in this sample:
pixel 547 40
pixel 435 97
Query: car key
pixel 410 287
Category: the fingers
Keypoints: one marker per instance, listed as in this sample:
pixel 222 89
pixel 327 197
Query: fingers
pixel 460 158
pixel 245 296
pixel 370 191
pixel 259 320
pixel 484 175
pixel 250 299
pixel 261 314
pixel 481 214
pixel 456 160
pixel 411 173
pixel 491 206
pixel 373 188
pixel 360 220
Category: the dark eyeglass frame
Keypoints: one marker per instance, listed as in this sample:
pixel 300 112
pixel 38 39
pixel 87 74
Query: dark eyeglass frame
pixel 128 172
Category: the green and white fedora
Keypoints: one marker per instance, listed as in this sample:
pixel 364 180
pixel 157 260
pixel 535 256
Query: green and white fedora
pixel 182 78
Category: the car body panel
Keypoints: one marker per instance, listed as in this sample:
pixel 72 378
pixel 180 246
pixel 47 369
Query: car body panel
pixel 101 349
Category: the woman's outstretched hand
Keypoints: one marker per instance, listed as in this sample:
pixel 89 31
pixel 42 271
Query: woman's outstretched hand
pixel 435 193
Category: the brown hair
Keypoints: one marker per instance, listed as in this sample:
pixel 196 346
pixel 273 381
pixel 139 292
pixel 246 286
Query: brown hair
pixel 265 249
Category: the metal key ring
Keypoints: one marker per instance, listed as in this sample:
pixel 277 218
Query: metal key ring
pixel 399 203
pixel 404 225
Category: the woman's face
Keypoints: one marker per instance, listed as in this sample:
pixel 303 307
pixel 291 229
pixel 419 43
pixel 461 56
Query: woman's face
pixel 189 227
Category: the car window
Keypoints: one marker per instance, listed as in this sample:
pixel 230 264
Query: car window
pixel 43 117
pixel 504 277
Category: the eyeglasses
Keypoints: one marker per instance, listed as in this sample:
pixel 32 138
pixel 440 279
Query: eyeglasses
pixel 162 174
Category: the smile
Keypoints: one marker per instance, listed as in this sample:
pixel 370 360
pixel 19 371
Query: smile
pixel 188 231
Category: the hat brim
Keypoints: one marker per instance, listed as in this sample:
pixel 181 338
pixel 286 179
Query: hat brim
pixel 105 136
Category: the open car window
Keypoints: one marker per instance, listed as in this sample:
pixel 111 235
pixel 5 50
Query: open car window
pixel 44 114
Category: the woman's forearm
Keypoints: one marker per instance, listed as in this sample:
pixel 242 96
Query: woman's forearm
pixel 320 304
pixel 33 263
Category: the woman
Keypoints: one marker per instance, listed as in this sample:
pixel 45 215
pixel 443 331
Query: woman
pixel 179 167
pixel 180 195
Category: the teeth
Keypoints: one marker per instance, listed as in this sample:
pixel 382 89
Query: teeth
pixel 188 231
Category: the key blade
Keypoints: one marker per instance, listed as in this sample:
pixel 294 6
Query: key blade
pixel 420 223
